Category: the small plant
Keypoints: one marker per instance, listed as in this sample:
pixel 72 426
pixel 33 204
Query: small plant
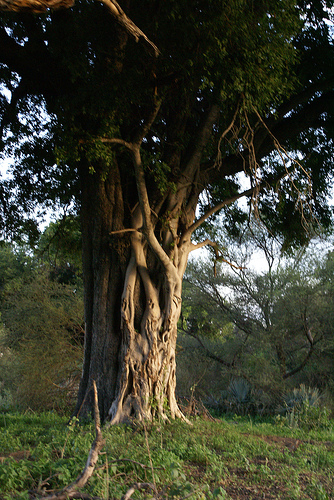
pixel 239 397
pixel 318 492
pixel 219 494
pixel 295 399
pixel 302 408
pixel 180 486
pixel 6 400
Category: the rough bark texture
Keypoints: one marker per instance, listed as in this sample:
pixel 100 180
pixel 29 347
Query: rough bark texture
pixel 132 305
pixel 135 254
pixel 36 6
pixel 115 103
pixel 103 269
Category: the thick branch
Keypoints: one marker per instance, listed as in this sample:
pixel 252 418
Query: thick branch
pixel 127 24
pixel 216 208
pixel 289 127
pixel 35 6
pixel 146 211
pixel 193 164
pixel 40 6
pixel 144 129
pixel 203 137
pixel 138 486
pixel 115 140
pixel 302 364
pixel 308 355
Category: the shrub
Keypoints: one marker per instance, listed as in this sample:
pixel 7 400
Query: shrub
pixel 43 342
pixel 302 408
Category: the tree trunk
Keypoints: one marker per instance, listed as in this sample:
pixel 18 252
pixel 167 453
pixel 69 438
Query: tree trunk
pixel 132 306
pixel 135 252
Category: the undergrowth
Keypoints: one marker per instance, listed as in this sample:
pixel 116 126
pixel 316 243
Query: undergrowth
pixel 234 458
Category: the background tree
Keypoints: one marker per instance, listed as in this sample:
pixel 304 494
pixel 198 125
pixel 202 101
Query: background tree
pixel 42 318
pixel 60 246
pixel 282 335
pixel 96 122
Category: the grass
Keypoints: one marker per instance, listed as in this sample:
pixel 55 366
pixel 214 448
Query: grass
pixel 235 458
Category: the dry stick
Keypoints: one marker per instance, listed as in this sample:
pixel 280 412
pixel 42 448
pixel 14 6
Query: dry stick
pixel 70 491
pixel 138 486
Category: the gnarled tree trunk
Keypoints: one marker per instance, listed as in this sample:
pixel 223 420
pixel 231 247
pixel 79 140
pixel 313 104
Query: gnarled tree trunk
pixel 132 306
pixel 135 252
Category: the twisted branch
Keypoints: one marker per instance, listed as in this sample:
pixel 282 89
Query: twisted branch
pixel 41 6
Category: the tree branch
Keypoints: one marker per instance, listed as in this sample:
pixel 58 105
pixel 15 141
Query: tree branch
pixel 144 129
pixel 201 141
pixel 189 173
pixel 127 24
pixel 34 6
pixel 138 486
pixel 146 211
pixel 302 364
pixel 209 353
pixel 41 6
pixel 218 207
pixel 115 140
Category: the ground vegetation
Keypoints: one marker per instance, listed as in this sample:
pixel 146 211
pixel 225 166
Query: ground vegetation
pixel 236 458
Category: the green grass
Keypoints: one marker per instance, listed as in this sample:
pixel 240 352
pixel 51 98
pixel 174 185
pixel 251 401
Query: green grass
pixel 225 459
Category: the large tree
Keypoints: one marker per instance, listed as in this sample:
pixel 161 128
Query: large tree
pixel 135 139
pixel 282 325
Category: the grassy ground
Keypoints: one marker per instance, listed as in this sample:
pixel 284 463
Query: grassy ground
pixel 234 458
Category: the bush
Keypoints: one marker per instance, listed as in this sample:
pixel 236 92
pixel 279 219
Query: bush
pixel 42 344
pixel 302 407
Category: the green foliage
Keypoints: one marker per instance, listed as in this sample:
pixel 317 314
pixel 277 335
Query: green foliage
pixel 42 340
pixel 242 55
pixel 61 242
pixel 242 456
pixel 81 98
pixel 282 332
pixel 302 407
pixel 301 396
pixel 239 396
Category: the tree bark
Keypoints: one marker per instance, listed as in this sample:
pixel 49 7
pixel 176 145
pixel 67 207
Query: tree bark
pixel 35 6
pixel 132 306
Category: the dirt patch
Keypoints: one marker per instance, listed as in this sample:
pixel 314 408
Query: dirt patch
pixel 283 442
pixel 16 455
pixel 249 492
pixel 291 443
pixel 241 484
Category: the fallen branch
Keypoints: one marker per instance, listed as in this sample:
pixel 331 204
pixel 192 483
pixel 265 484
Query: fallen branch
pixel 138 486
pixel 70 491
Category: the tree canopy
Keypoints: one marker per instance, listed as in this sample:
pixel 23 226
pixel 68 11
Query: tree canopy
pixel 261 74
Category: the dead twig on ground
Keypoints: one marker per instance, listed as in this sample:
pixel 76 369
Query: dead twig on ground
pixel 71 491
pixel 138 486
